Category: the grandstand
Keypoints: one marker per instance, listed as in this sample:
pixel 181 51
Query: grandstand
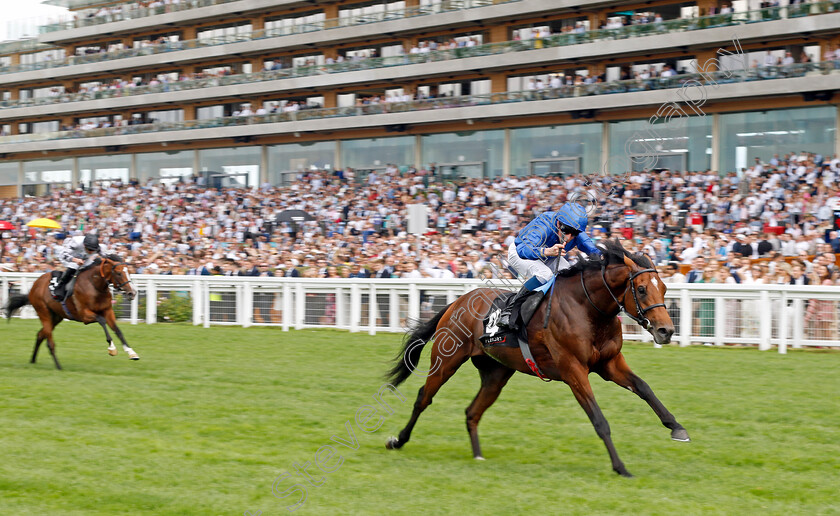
pixel 250 92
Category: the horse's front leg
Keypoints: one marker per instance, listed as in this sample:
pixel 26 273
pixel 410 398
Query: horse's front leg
pixel 617 370
pixel 577 377
pixel 111 319
pixel 112 349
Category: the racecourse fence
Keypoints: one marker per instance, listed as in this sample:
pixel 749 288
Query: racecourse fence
pixel 714 314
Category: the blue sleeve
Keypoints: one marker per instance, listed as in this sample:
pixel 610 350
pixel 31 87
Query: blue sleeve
pixel 534 237
pixel 584 243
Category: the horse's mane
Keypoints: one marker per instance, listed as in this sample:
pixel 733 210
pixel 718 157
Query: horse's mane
pixel 112 257
pixel 612 252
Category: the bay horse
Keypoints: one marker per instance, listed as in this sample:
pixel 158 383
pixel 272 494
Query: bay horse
pixel 583 335
pixel 89 303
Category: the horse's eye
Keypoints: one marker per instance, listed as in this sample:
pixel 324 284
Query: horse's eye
pixel 642 290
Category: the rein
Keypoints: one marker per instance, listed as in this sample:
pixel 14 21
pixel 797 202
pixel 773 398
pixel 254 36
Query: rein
pixel 640 318
pixel 111 277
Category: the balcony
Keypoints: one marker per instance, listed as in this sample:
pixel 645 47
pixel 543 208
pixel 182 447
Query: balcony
pixel 765 81
pixel 502 56
pixel 299 36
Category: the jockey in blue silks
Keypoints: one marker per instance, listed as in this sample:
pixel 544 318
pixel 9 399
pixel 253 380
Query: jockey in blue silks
pixel 538 245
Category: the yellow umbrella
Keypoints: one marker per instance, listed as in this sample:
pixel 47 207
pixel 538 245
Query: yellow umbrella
pixel 44 223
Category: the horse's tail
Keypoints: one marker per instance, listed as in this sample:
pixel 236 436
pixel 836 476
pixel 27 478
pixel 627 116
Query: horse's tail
pixel 418 334
pixel 15 302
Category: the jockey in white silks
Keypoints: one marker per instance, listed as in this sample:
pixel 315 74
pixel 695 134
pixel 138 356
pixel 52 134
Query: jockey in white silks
pixel 536 248
pixel 77 252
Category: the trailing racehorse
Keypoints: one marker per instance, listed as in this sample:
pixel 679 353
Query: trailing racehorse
pixel 583 335
pixel 89 303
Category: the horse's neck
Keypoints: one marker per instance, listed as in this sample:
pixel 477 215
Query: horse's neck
pixel 603 294
pixel 94 277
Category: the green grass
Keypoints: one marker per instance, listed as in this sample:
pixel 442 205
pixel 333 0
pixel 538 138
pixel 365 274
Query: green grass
pixel 208 418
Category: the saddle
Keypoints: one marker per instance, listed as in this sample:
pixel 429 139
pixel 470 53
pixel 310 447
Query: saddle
pixel 515 339
pixel 493 335
pixel 69 288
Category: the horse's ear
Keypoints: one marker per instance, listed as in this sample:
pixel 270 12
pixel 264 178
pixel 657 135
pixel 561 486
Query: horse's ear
pixel 630 263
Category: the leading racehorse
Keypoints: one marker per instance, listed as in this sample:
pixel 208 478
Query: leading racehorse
pixel 583 335
pixel 89 303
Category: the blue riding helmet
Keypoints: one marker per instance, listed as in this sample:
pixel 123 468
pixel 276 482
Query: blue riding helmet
pixel 573 215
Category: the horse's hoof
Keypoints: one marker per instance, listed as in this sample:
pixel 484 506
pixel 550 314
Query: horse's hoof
pixel 112 352
pixel 479 457
pixel 133 356
pixel 680 435
pixel 625 474
pixel 392 443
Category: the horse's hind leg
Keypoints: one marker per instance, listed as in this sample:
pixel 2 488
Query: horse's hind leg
pixel 494 376
pixel 447 367
pixel 617 370
pixel 38 340
pixel 48 329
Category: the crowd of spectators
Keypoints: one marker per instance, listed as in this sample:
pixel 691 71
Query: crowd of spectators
pixel 782 208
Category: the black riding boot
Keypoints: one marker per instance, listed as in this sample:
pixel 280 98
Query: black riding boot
pixel 509 318
pixel 58 291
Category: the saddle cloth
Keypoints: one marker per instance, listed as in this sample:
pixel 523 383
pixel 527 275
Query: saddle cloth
pixel 492 333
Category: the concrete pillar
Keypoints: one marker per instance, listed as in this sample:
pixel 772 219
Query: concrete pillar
pixel 715 162
pixel 498 83
pixel 506 154
pixel 498 34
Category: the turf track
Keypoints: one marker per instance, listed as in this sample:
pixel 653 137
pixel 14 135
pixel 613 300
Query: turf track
pixel 208 418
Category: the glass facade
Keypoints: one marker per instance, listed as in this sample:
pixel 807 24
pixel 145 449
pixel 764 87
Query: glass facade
pixel 104 168
pixel 377 152
pixel 286 160
pixel 9 172
pixel 166 166
pixel 761 134
pixel 234 167
pixel 465 154
pixel 675 145
pixel 558 149
pixel 48 171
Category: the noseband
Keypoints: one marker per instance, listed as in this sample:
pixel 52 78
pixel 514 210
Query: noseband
pixel 640 318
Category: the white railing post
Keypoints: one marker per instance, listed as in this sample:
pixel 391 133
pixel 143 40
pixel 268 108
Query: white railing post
pixel 248 304
pixel 765 319
pixel 394 310
pixel 205 295
pixel 135 307
pixel 300 306
pixel 287 305
pixel 685 317
pixel 355 307
pixel 4 293
pixel 720 320
pixel 373 308
pixel 196 300
pixel 339 308
pixel 450 297
pixel 798 320
pixel 784 312
pixel 151 302
pixel 413 303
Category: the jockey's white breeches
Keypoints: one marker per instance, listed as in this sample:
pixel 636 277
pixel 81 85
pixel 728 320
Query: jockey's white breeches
pixel 541 269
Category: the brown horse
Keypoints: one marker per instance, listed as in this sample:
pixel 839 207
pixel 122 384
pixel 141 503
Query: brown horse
pixel 583 336
pixel 90 302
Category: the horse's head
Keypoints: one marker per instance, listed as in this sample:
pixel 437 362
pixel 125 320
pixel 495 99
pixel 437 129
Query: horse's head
pixel 644 300
pixel 115 272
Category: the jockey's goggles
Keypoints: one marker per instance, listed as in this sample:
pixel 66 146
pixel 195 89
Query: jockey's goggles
pixel 568 230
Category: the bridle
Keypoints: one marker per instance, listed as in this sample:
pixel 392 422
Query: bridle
pixel 640 318
pixel 111 276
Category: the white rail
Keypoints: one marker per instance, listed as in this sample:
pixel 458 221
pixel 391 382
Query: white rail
pixel 713 314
